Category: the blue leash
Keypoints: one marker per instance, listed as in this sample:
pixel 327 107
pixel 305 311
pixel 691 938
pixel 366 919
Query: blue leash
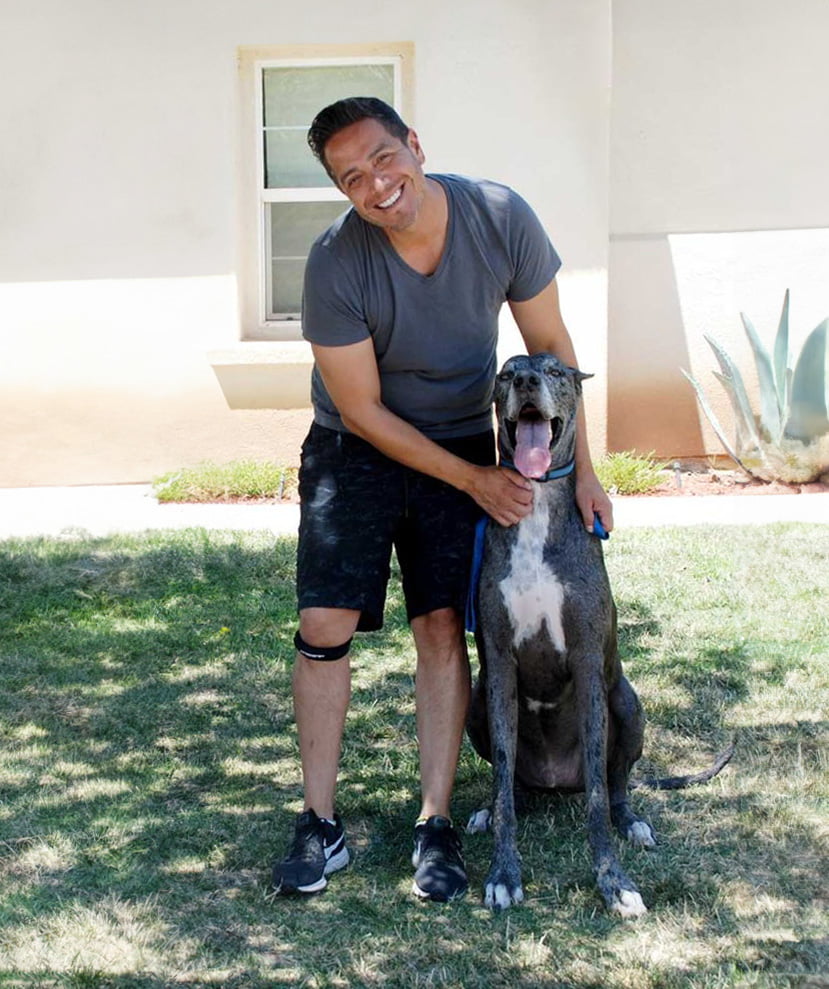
pixel 471 613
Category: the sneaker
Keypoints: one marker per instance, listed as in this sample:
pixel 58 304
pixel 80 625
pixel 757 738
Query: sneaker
pixel 439 870
pixel 318 849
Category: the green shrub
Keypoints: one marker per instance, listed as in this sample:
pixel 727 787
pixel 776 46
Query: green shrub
pixel 629 474
pixel 238 480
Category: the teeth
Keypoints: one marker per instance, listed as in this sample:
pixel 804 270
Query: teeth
pixel 391 200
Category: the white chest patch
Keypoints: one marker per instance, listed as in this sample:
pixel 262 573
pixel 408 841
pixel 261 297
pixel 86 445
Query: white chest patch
pixel 532 593
pixel 536 707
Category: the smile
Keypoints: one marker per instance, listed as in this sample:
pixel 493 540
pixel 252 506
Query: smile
pixel 391 200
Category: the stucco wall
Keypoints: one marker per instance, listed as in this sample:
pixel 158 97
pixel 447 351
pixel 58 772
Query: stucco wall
pixel 697 192
pixel 718 199
pixel 118 257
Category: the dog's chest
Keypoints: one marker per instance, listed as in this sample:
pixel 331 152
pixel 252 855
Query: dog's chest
pixel 532 592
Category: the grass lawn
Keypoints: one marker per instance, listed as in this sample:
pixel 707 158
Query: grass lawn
pixel 149 775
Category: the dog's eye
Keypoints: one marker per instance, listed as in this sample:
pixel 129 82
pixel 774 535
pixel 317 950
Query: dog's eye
pixel 552 372
pixel 506 376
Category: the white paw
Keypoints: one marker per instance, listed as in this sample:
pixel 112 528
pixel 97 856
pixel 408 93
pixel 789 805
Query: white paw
pixel 497 896
pixel 641 834
pixel 479 822
pixel 629 904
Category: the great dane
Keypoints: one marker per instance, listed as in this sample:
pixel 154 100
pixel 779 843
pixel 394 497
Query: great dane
pixel 551 709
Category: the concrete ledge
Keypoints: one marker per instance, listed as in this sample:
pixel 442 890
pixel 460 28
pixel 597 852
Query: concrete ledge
pixel 264 375
pixel 101 510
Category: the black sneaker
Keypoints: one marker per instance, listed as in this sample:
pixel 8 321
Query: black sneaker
pixel 318 849
pixel 439 870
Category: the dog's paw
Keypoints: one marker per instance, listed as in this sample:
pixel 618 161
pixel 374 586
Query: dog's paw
pixel 640 833
pixel 630 827
pixel 479 822
pixel 499 896
pixel 628 903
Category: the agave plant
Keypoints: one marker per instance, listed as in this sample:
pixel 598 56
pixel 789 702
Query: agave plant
pixel 788 440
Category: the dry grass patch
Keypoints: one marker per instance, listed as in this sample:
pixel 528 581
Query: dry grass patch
pixel 149 776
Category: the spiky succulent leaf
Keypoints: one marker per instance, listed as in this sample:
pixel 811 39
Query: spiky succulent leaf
pixel 808 419
pixel 743 429
pixel 736 392
pixel 782 376
pixel 709 412
pixel 798 451
pixel 770 404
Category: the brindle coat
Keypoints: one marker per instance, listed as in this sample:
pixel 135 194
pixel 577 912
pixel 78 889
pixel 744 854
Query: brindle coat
pixel 551 708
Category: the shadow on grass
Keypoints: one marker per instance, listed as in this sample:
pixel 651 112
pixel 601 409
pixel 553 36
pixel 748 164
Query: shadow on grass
pixel 149 775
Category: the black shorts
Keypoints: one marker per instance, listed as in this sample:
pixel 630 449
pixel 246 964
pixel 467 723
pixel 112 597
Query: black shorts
pixel 356 503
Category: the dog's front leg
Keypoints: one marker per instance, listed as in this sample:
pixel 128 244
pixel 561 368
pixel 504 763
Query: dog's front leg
pixel 503 884
pixel 626 710
pixel 619 892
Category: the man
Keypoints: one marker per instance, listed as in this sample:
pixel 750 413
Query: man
pixel 401 303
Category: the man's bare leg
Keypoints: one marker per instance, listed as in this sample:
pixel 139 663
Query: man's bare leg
pixel 322 691
pixel 442 697
pixel 442 693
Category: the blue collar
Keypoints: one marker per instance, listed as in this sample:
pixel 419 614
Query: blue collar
pixel 551 475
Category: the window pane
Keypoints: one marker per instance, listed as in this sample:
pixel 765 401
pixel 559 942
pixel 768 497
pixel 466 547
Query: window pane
pixel 286 278
pixel 292 96
pixel 290 163
pixel 294 227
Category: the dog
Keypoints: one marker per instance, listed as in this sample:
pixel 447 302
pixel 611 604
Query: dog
pixel 552 709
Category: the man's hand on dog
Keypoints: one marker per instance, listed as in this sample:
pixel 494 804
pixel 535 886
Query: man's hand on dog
pixel 507 497
pixel 503 494
pixel 591 497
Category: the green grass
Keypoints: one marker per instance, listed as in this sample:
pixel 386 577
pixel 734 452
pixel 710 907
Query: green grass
pixel 234 481
pixel 628 473
pixel 620 473
pixel 149 775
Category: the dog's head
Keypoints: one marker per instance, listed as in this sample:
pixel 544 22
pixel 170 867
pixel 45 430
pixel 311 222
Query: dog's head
pixel 536 399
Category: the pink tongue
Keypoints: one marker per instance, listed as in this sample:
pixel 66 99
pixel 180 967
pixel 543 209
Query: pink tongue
pixel 532 448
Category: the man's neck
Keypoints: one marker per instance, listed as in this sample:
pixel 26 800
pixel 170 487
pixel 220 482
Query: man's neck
pixel 421 244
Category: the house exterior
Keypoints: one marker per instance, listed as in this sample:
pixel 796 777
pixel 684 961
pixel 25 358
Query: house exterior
pixel 156 200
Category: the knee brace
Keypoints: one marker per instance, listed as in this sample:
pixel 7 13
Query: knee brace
pixel 321 653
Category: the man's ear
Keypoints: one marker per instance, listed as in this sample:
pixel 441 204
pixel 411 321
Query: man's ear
pixel 413 142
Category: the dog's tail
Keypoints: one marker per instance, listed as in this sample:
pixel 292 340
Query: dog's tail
pixel 680 782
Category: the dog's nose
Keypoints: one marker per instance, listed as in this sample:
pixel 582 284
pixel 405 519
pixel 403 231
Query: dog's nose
pixel 532 380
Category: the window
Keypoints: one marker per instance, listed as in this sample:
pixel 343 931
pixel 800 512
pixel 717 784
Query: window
pixel 294 198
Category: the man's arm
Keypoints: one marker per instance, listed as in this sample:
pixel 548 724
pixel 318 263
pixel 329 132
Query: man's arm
pixel 353 382
pixel 542 328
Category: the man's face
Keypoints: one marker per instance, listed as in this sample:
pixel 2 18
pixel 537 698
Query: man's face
pixel 380 174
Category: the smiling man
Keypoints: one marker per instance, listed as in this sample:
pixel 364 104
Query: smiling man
pixel 401 304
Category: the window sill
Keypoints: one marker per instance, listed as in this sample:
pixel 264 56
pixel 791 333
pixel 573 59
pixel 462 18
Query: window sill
pixel 260 375
pixel 274 331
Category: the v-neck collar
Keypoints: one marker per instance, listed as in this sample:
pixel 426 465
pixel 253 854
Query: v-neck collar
pixel 391 251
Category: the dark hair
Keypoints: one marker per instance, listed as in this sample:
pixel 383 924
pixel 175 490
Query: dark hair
pixel 334 118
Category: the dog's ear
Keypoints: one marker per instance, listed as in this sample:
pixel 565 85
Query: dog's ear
pixel 579 377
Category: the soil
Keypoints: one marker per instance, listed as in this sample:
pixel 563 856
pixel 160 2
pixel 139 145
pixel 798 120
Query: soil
pixel 692 478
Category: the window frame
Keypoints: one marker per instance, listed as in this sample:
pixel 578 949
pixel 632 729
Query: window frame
pixel 256 268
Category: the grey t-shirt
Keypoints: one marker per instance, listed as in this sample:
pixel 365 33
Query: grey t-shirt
pixel 434 335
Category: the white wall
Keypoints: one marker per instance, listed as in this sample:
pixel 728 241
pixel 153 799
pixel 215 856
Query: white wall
pixel 718 197
pixel 118 196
